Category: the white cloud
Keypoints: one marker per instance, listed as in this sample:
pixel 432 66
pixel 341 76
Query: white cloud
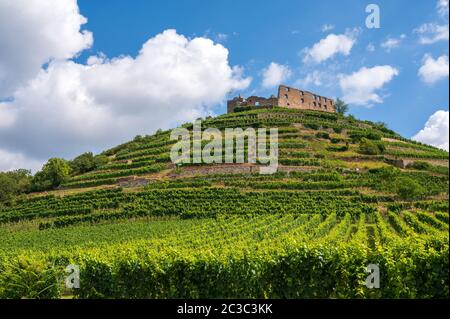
pixel 442 7
pixel 314 78
pixel 359 87
pixel 6 116
pixel 432 32
pixel 275 74
pixel 33 33
pixel 392 43
pixel 327 27
pixel 434 70
pixel 330 46
pixel 10 161
pixel 68 108
pixel 436 130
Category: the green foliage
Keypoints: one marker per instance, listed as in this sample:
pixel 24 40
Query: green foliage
pixel 100 160
pixel 307 231
pixel 335 140
pixel 13 183
pixel 369 147
pixel 419 165
pixel 242 108
pixel 343 148
pixel 27 277
pixel 54 172
pixel 408 188
pixel 83 163
pixel 270 256
pixel 87 162
pixel 357 135
pixel 323 135
pixel 341 107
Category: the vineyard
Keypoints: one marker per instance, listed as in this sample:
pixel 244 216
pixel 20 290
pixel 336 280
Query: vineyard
pixel 225 231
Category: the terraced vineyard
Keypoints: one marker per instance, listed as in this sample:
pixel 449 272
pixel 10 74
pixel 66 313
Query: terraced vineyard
pixel 141 227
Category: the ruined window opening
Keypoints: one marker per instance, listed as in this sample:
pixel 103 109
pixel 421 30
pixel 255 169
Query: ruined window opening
pixel 303 100
pixel 257 103
pixel 286 89
pixel 286 96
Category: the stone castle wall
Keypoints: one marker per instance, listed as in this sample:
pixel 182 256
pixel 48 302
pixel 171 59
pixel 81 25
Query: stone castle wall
pixel 287 97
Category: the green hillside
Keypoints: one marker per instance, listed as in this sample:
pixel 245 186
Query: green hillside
pixel 348 193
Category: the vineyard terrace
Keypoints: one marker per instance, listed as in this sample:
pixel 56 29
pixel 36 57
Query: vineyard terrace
pixel 213 140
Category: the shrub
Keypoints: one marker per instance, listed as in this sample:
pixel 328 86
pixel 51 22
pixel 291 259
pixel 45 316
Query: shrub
pixel 83 163
pixel 312 126
pixel 343 148
pixel 54 172
pixel 242 108
pixel 26 277
pixel 408 188
pixel 419 165
pixel 13 183
pixel 369 147
pixel 323 135
pixel 335 140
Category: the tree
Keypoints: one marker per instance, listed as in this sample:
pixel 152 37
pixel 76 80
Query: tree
pixel 13 183
pixel 382 125
pixel 408 188
pixel 341 107
pixel 369 147
pixel 87 162
pixel 83 163
pixel 100 160
pixel 53 173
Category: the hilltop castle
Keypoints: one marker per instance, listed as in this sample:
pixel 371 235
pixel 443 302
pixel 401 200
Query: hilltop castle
pixel 287 97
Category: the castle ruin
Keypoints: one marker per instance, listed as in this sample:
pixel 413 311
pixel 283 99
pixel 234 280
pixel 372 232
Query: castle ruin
pixel 287 97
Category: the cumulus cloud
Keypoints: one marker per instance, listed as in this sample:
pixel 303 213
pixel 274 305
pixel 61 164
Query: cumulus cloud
pixel 360 87
pixel 330 46
pixel 275 74
pixel 11 161
pixel 6 116
pixel 442 7
pixel 432 32
pixel 433 70
pixel 33 33
pixel 435 31
pixel 435 131
pixel 314 78
pixel 68 108
pixel 392 43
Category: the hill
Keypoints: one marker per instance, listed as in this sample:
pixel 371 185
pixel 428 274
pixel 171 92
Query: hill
pixel 347 194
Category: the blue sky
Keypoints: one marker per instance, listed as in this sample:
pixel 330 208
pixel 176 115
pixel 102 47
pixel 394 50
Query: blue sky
pixel 85 75
pixel 259 32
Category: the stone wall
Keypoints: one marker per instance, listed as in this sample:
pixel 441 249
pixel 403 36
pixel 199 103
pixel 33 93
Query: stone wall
pixel 298 99
pixel 251 101
pixel 287 97
pixel 233 169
